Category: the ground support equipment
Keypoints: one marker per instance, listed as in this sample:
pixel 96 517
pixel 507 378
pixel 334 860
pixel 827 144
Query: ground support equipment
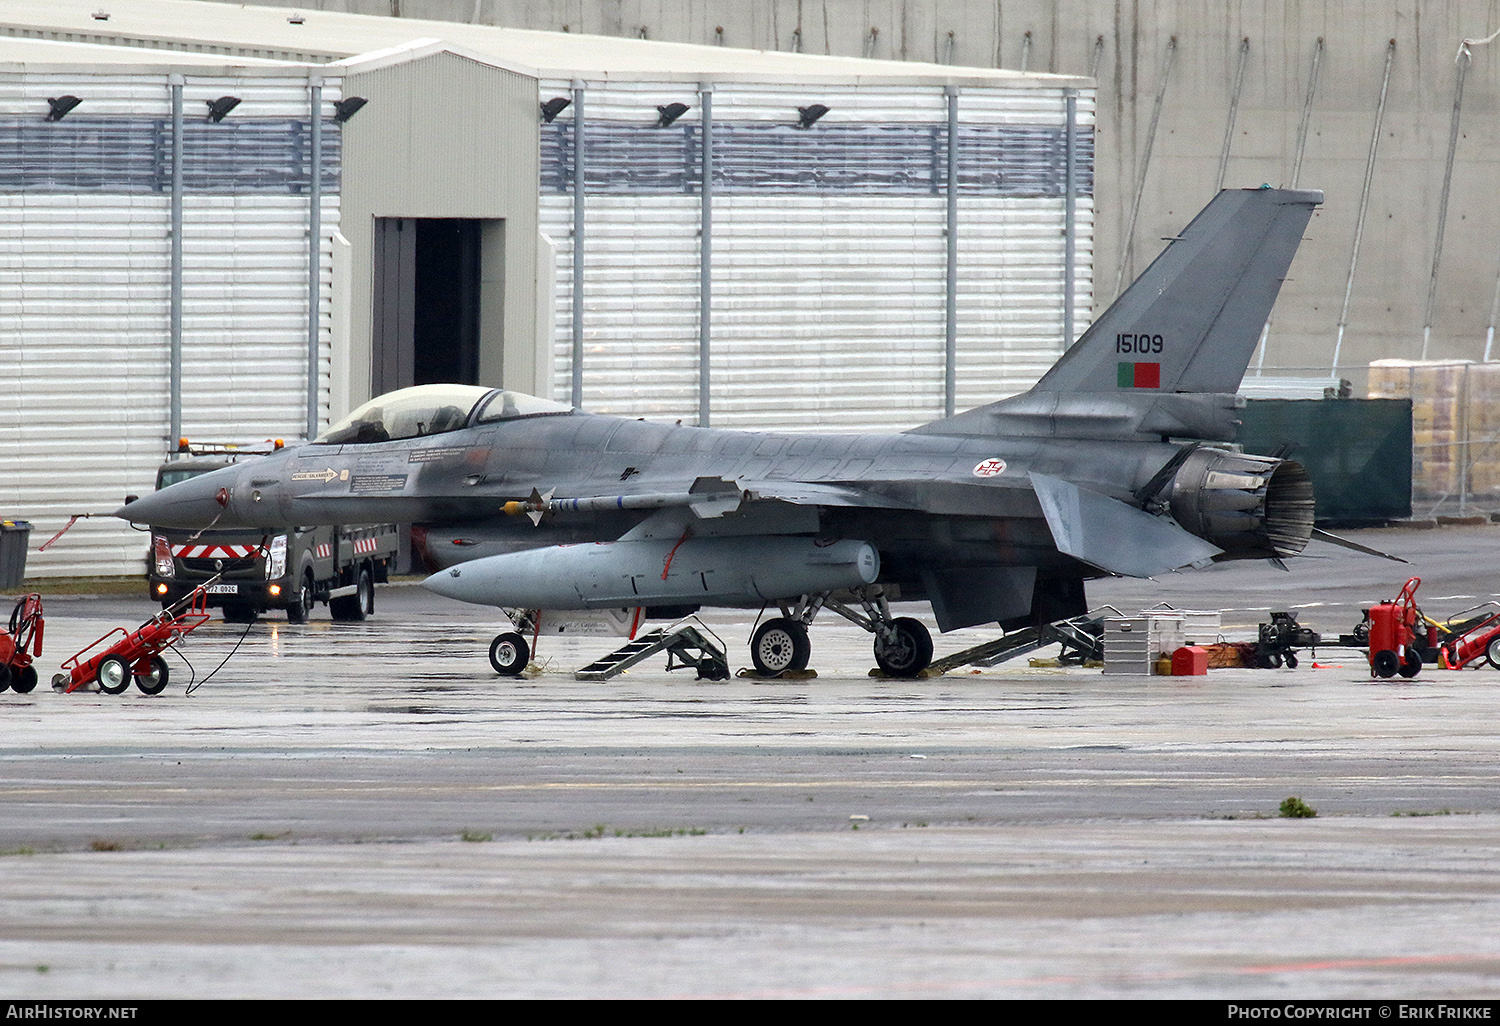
pixel 1393 631
pixel 120 655
pixel 20 644
pixel 1477 638
pixel 1277 641
pixel 1081 638
pixel 683 642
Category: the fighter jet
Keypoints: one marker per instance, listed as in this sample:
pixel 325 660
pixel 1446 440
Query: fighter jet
pixel 1118 462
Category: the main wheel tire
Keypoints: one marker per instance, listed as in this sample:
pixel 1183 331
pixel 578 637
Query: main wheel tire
pixel 1411 664
pixel 299 608
pixel 352 608
pixel 1291 660
pixel 1492 653
pixel 779 645
pixel 1385 663
pixel 909 653
pixel 23 681
pixel 509 654
pixel 113 674
pixel 154 682
pixel 366 590
pixel 5 675
pixel 238 612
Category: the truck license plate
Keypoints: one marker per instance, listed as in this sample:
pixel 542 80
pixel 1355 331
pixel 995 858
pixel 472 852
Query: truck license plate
pixel 223 589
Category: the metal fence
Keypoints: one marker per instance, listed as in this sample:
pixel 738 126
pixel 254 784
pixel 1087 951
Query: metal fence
pixel 1454 425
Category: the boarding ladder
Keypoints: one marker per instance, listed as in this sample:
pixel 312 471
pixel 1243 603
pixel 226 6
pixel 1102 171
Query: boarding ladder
pixel 1081 638
pixel 691 647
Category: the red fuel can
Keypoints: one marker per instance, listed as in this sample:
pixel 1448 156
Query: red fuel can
pixel 1189 661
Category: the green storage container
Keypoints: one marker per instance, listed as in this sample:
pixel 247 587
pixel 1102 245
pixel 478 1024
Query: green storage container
pixel 1358 452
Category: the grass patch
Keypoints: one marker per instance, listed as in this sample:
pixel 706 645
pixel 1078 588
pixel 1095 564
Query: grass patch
pixel 103 845
pixel 44 586
pixel 599 830
pixel 475 836
pixel 1296 808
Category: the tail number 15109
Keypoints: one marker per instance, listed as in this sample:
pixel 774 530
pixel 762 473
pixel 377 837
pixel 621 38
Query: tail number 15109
pixel 1141 343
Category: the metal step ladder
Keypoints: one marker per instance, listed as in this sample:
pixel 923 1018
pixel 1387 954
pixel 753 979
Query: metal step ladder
pixel 690 647
pixel 1081 638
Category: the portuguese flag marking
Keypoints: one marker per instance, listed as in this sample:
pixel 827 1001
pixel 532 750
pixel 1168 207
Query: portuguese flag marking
pixel 1139 375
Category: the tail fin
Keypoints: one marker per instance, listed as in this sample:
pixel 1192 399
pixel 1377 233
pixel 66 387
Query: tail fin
pixel 1191 322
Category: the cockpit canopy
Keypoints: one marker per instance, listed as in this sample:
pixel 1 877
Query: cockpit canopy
pixel 433 409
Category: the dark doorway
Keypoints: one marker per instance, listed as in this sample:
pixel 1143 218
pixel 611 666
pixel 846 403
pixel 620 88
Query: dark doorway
pixel 426 316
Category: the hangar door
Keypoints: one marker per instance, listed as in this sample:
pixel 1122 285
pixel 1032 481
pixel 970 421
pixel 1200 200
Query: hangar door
pixel 429 294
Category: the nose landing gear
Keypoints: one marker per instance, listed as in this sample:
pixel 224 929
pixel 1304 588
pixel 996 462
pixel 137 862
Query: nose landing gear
pixel 509 654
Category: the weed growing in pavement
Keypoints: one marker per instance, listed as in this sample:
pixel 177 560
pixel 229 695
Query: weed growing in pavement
pixel 1296 808
pixel 600 829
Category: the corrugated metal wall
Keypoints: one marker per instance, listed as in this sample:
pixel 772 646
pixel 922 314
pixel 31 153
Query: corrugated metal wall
pixel 829 250
pixel 85 291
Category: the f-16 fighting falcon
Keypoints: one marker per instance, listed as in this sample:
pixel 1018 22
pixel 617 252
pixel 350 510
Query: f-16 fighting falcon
pixel 1115 463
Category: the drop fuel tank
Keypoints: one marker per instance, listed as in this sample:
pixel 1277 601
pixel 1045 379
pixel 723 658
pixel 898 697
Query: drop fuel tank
pixel 734 571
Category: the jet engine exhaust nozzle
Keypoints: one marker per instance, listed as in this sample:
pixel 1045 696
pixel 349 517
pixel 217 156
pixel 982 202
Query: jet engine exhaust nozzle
pixel 1252 507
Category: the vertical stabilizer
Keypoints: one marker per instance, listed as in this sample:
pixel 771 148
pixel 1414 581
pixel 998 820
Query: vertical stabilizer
pixel 1191 322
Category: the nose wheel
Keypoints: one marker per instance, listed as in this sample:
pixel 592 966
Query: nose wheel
pixel 509 654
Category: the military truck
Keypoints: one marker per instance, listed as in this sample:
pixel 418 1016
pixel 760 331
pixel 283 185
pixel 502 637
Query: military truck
pixel 292 570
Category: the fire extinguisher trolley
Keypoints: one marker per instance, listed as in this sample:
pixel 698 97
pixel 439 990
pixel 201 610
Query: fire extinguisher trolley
pixel 120 655
pixel 1393 628
pixel 20 644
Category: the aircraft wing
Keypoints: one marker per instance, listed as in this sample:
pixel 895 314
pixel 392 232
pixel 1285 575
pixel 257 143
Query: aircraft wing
pixel 1087 525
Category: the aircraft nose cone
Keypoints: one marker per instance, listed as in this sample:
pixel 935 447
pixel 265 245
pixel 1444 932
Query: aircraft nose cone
pixel 451 584
pixel 197 502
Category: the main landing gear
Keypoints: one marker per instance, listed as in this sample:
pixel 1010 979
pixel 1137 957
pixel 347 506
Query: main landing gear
pixel 903 646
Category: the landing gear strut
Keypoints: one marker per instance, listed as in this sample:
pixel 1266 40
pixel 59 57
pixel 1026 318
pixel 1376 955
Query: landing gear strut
pixel 903 646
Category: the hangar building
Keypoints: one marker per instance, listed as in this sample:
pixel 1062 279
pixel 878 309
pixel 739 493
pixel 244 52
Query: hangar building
pixel 219 240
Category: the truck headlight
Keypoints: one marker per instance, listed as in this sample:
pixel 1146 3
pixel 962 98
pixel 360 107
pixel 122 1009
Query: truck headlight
pixel 161 557
pixel 276 558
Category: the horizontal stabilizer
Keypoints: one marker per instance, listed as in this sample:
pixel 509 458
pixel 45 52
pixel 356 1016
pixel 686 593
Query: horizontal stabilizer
pixel 1113 536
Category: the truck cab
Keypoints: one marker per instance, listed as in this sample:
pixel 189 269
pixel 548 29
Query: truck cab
pixel 252 572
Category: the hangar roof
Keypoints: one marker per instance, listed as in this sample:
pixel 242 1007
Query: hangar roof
pixel 301 35
pixel 21 50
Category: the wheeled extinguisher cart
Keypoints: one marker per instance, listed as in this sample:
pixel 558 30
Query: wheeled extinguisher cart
pixel 1393 628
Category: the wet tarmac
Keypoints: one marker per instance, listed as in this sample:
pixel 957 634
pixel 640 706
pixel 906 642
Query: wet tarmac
pixel 364 810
